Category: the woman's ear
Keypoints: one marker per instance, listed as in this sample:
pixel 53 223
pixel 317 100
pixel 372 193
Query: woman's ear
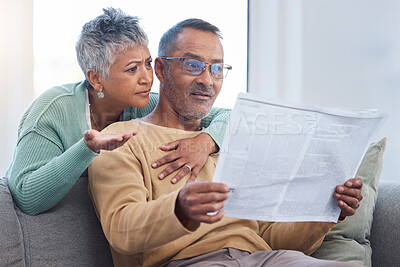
pixel 159 69
pixel 94 79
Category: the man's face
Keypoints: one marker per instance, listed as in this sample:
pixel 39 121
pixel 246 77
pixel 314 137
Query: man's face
pixel 191 96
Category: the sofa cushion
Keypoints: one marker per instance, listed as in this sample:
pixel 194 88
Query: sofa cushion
pixel 69 234
pixel 11 245
pixel 349 241
pixel 385 234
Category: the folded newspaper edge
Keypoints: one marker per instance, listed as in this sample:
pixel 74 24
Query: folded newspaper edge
pixel 339 111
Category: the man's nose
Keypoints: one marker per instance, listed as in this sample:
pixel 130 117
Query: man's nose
pixel 205 77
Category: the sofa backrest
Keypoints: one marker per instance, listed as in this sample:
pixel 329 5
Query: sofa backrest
pixel 69 234
pixel 385 232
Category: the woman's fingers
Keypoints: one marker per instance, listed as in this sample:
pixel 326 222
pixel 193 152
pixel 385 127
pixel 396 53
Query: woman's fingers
pixel 170 146
pixel 166 159
pixel 183 171
pixel 96 140
pixel 189 156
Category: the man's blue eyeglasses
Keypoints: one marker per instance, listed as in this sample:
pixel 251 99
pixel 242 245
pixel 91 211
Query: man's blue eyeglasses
pixel 196 67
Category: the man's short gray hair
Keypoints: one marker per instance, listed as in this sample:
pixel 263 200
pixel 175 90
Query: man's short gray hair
pixel 168 40
pixel 104 37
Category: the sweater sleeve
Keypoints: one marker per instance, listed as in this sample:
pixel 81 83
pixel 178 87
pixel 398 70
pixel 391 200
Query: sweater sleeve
pixel 42 174
pixel 131 222
pixel 301 236
pixel 216 123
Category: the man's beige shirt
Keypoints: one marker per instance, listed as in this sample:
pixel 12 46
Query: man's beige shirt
pixel 137 210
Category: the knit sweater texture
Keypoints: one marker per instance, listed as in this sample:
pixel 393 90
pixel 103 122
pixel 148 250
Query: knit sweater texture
pixel 51 155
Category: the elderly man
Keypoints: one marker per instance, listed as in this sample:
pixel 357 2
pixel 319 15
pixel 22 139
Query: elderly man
pixel 151 223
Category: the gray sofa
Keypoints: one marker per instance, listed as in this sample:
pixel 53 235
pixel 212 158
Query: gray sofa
pixel 70 235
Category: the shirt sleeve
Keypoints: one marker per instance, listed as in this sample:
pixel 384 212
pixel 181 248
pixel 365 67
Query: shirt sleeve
pixel 42 174
pixel 131 222
pixel 301 236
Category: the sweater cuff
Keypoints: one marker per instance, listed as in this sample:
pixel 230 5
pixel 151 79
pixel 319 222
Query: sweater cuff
pixel 217 132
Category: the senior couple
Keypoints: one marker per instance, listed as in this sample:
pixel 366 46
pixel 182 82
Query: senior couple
pixel 149 221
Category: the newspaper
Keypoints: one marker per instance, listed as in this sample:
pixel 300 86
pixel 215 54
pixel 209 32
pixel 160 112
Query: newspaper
pixel 282 162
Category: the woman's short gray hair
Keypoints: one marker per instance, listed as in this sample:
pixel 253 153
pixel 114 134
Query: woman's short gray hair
pixel 104 37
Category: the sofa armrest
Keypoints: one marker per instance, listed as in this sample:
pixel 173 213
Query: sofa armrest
pixel 385 232
pixel 11 241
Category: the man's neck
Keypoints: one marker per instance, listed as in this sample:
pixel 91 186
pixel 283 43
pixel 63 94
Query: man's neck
pixel 164 115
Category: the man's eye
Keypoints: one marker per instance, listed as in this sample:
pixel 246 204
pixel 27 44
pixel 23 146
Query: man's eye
pixel 217 67
pixel 194 65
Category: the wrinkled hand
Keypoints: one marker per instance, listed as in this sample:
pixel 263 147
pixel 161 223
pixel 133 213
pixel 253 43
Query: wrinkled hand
pixel 197 199
pixel 96 140
pixel 192 152
pixel 349 197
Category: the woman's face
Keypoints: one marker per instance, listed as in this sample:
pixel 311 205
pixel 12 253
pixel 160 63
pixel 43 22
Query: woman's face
pixel 130 79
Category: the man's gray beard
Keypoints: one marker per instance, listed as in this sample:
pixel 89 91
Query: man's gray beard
pixel 185 111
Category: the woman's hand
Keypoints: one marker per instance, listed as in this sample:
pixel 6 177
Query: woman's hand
pixel 190 155
pixel 96 140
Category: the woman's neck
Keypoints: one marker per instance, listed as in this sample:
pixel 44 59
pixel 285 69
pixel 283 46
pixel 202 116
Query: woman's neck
pixel 102 113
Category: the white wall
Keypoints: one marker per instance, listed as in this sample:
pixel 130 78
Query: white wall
pixel 16 71
pixel 331 53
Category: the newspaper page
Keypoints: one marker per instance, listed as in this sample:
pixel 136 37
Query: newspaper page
pixel 282 162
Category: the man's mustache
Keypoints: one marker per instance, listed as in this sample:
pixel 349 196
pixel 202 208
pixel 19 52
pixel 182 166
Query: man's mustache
pixel 201 88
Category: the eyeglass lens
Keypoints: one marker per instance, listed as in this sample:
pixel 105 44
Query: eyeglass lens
pixel 196 67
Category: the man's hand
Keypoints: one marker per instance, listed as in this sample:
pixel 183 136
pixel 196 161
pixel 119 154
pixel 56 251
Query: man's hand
pixel 189 152
pixel 349 197
pixel 96 140
pixel 197 199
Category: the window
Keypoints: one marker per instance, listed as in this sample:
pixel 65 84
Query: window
pixel 330 53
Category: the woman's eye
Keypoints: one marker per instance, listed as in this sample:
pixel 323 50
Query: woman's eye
pixel 148 63
pixel 132 69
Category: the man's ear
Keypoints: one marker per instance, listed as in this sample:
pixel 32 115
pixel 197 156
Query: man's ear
pixel 94 79
pixel 159 69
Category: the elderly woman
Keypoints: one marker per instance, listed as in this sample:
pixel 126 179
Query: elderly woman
pixel 59 134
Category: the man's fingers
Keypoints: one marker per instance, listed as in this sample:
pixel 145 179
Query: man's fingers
pixel 350 201
pixel 212 198
pixel 345 191
pixel 346 210
pixel 170 146
pixel 206 208
pixel 209 218
pixel 354 183
pixel 206 187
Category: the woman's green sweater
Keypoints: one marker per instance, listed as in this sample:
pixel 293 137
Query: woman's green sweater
pixel 51 155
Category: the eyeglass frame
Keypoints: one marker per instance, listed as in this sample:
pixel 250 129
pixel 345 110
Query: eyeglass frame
pixel 224 66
